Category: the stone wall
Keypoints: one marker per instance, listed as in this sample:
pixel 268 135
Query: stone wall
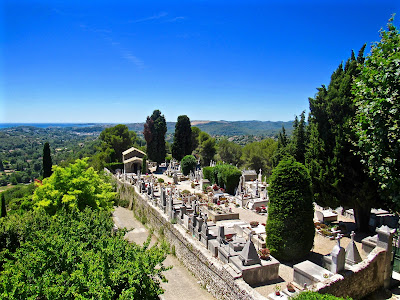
pixel 363 279
pixel 212 274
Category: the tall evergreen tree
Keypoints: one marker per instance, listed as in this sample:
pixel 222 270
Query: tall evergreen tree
pixel 299 139
pixel 182 145
pixel 47 162
pixel 154 132
pixel 338 177
pixel 116 140
pixel 3 206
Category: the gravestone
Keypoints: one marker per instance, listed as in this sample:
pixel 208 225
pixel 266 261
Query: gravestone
pixel 338 256
pixel 352 255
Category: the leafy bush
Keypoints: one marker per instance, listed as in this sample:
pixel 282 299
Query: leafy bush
pixel 291 211
pixel 75 256
pixel 224 175
pixel 317 296
pixel 74 187
pixel 208 173
pixel 188 163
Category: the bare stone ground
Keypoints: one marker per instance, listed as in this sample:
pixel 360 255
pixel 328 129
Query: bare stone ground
pixel 181 284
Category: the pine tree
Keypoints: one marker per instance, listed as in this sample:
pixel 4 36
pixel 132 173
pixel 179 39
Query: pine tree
pixel 338 177
pixel 299 139
pixel 182 145
pixel 47 162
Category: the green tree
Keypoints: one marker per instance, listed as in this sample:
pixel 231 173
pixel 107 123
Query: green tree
pixel 377 125
pixel 290 211
pixel 47 162
pixel 182 138
pixel 76 256
pixel 188 163
pixel 282 150
pixel 1 166
pixel 3 206
pixel 229 152
pixel 259 155
pixel 207 151
pixel 74 188
pixel 144 165
pixel 116 140
pixel 154 132
pixel 195 137
pixel 339 178
pixel 298 141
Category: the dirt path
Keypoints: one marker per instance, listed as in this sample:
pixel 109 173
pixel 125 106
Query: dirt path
pixel 181 284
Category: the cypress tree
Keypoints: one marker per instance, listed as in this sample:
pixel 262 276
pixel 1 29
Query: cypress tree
pixel 290 227
pixel 338 176
pixel 182 145
pixel 47 162
pixel 3 206
pixel 154 132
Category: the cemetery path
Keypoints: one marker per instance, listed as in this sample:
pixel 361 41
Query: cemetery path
pixel 181 284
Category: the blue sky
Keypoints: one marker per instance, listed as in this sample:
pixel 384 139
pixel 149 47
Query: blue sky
pixel 117 61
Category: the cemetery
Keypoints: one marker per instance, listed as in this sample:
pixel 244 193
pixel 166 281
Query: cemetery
pixel 229 232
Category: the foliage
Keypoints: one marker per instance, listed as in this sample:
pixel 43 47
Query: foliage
pixel 154 134
pixel 188 164
pixel 182 139
pixel 117 139
pixel 377 125
pixel 282 150
pixel 19 198
pixel 259 155
pixel 47 162
pixel 195 137
pixel 73 187
pixel 223 175
pixel 317 296
pixel 298 141
pixel 208 150
pixel 339 178
pixel 76 256
pixel 229 152
pixel 144 165
pixel 290 212
pixel 3 211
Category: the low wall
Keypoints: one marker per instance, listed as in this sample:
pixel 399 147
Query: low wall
pixel 211 273
pixel 363 278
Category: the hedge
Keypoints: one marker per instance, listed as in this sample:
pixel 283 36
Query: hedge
pixel 290 227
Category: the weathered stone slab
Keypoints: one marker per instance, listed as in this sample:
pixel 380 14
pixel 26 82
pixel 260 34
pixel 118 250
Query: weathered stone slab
pixel 258 273
pixel 309 273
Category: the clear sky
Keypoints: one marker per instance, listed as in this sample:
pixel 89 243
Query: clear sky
pixel 117 61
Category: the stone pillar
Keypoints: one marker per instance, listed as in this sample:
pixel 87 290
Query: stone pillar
pixel 385 241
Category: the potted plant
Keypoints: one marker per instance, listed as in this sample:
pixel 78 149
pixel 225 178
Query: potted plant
pixel 264 253
pixel 290 287
pixel 254 224
pixel 277 290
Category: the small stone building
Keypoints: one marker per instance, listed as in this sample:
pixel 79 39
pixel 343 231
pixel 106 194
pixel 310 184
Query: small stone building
pixel 132 159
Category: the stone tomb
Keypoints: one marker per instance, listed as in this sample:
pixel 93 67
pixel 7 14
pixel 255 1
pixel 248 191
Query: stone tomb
pixel 309 273
pixel 233 248
pixel 254 270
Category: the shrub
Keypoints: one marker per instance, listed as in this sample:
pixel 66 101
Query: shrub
pixel 188 163
pixel 317 296
pixel 290 212
pixel 160 180
pixel 223 175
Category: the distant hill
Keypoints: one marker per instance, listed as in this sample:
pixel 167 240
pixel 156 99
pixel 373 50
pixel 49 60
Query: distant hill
pixel 214 128
pixel 229 128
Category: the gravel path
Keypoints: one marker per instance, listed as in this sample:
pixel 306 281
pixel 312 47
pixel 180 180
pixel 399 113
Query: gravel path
pixel 181 284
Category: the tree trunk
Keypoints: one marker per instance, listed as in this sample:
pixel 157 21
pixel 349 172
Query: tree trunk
pixel 361 216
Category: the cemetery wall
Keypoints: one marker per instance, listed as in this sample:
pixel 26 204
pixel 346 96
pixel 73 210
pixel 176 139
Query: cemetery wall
pixel 211 273
pixel 363 279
